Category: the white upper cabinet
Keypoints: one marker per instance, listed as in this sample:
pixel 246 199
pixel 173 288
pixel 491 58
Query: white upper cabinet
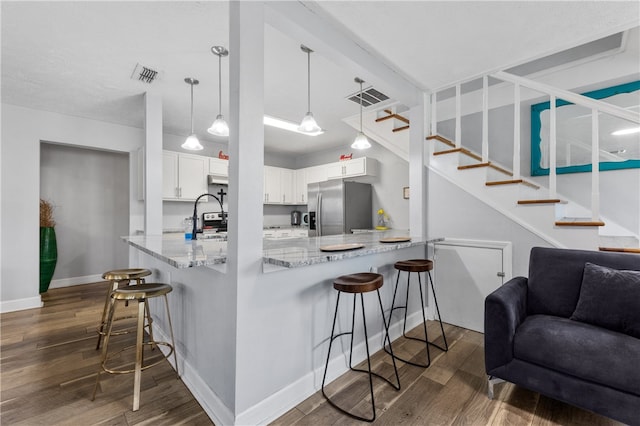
pixel 184 176
pixel 272 185
pixel 300 193
pixel 218 167
pixel 362 166
pixel 316 173
pixel 288 185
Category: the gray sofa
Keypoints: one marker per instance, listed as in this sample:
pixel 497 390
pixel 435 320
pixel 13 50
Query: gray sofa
pixel 570 331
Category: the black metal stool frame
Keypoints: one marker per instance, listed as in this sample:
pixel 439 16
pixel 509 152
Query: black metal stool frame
pixel 424 320
pixel 366 340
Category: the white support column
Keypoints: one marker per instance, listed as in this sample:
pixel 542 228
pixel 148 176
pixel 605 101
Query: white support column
pixel 595 166
pixel 153 163
pixel 434 112
pixel 552 148
pixel 458 133
pixel 417 173
pixel 516 131
pixel 485 119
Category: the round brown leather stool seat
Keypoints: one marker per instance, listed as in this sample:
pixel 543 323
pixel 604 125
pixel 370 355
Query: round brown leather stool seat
pixel 139 293
pixel 117 277
pixel 355 284
pixel 417 266
pixel 414 265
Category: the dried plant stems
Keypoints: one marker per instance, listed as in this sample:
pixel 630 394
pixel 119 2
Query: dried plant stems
pixel 46 214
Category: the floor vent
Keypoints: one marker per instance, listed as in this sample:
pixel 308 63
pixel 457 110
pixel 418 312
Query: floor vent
pixel 370 96
pixel 144 74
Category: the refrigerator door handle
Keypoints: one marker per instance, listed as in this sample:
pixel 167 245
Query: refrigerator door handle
pixel 319 215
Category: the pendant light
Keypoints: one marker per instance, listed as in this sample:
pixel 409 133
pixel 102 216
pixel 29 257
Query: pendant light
pixel 308 124
pixel 361 141
pixel 192 143
pixel 219 126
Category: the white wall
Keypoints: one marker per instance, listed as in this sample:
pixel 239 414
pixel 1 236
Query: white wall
pixel 90 192
pixel 22 131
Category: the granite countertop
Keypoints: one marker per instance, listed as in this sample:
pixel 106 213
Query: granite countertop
pixel 286 253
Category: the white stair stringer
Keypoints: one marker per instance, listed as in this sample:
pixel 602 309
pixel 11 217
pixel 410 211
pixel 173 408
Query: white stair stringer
pixel 537 218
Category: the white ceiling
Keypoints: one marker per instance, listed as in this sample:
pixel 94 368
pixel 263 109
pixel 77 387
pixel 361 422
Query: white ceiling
pixel 76 58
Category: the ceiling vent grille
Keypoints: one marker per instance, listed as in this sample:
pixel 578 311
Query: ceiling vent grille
pixel 144 74
pixel 370 96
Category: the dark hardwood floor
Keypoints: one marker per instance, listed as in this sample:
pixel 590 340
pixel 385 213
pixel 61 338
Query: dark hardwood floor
pixel 48 364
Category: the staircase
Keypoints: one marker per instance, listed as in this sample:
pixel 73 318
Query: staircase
pixel 556 219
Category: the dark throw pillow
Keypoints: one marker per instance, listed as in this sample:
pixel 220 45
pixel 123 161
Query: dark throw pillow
pixel 610 298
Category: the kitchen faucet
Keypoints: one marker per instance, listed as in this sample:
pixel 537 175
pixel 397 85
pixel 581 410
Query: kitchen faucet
pixel 195 213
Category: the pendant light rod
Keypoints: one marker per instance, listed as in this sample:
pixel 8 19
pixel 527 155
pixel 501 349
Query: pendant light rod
pixel 359 80
pixel 308 52
pixel 191 81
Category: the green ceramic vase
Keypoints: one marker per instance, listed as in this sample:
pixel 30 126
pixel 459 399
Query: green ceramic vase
pixel 48 257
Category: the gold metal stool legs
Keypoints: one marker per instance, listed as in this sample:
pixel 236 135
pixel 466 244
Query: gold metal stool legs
pixel 139 293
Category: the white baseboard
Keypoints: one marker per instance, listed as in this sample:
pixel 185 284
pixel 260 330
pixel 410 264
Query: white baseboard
pixel 68 282
pixel 274 406
pixel 21 304
pixel 210 402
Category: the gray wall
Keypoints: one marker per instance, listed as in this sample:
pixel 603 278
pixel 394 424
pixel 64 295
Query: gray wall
pixel 90 191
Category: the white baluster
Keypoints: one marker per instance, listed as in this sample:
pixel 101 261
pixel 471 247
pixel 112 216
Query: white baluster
pixel 516 131
pixel 485 119
pixel 595 166
pixel 434 107
pixel 552 148
pixel 458 137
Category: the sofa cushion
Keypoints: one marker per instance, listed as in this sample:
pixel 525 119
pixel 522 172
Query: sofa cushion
pixel 581 350
pixel 555 277
pixel 610 298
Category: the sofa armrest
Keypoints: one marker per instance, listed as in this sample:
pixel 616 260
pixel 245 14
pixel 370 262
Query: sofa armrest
pixel 504 311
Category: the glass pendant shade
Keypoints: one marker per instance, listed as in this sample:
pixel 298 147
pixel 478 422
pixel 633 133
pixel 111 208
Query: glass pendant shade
pixel 192 143
pixel 309 125
pixel 361 142
pixel 219 127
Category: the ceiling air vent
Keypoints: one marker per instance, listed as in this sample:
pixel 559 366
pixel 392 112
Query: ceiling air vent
pixel 370 96
pixel 144 74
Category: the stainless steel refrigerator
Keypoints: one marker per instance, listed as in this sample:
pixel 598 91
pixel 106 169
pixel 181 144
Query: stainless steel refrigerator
pixel 336 207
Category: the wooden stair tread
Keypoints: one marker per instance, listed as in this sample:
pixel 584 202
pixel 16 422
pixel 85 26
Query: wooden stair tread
pixel 448 151
pixel 398 129
pixel 621 249
pixel 503 182
pixel 578 222
pixel 441 139
pixel 473 166
pixel 546 201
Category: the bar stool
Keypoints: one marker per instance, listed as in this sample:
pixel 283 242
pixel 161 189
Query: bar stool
pixel 418 266
pixel 116 277
pixel 139 293
pixel 358 284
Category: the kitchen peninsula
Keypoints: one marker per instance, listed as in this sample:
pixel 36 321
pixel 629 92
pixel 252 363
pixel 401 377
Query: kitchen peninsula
pixel 286 253
pixel 283 321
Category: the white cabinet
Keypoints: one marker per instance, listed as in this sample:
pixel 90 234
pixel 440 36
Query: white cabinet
pixel 287 185
pixel 183 176
pixel 316 173
pixel 279 185
pixel 218 167
pixel 300 187
pixel 362 166
pixel 272 185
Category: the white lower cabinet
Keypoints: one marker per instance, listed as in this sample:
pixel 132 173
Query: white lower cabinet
pixel 184 176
